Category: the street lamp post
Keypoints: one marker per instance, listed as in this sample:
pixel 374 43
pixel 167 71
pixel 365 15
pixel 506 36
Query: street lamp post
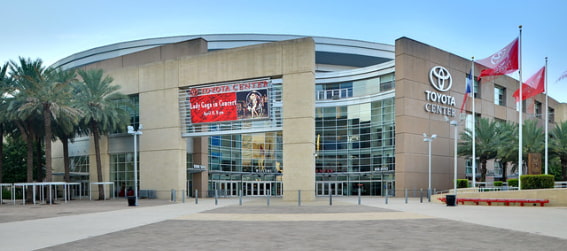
pixel 455 124
pixel 135 133
pixel 428 140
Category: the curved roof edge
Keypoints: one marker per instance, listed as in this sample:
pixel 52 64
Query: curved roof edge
pixel 329 50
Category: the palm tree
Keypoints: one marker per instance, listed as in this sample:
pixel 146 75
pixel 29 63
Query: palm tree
pixel 65 129
pixel 102 113
pixel 533 139
pixel 4 89
pixel 487 142
pixel 47 93
pixel 68 119
pixel 26 75
pixel 558 146
pixel 508 150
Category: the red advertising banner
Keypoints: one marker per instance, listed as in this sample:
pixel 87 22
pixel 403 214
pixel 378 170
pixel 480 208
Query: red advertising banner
pixel 229 106
pixel 213 108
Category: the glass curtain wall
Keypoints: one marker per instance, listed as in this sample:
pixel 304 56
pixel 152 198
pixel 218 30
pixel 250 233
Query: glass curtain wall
pixel 79 173
pixel 247 163
pixel 122 164
pixel 122 172
pixel 355 142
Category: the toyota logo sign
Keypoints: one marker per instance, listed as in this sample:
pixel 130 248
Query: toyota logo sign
pixel 440 78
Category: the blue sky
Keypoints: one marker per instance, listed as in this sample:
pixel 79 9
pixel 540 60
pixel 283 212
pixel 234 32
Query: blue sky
pixel 52 30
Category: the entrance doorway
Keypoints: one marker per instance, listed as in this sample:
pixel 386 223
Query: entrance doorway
pixel 228 188
pixel 330 188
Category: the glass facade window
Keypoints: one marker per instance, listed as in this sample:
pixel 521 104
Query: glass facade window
pixel 79 173
pixel 356 138
pixel 79 164
pixel 357 88
pixel 476 86
pixel 538 109
pixel 468 165
pixel 387 82
pixel 248 153
pixel 134 111
pixel 551 116
pixel 469 120
pixel 498 168
pixel 499 95
pixel 356 141
pixel 122 171
pixel 334 91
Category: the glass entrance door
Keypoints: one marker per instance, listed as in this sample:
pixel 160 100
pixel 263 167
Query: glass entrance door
pixel 257 188
pixel 227 187
pixel 330 188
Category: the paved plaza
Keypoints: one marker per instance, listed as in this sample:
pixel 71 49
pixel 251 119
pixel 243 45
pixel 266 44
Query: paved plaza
pixel 259 224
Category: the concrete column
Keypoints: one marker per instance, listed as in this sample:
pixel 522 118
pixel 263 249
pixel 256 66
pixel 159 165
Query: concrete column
pixel 299 121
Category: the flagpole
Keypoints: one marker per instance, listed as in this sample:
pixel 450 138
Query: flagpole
pixel 520 121
pixel 473 127
pixel 546 118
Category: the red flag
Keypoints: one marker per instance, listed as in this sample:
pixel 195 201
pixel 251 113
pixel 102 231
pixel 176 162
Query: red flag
pixel 533 86
pixel 502 62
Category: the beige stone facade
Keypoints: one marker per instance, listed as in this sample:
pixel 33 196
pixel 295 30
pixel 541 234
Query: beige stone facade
pixel 414 60
pixel 157 74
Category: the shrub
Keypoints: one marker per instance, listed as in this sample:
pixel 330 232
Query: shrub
pixel 462 183
pixel 513 182
pixel 497 183
pixel 540 181
pixel 6 194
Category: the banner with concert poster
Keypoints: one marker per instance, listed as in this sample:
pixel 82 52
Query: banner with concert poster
pixel 229 102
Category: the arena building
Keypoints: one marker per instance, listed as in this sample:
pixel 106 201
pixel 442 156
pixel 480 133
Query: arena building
pixel 289 116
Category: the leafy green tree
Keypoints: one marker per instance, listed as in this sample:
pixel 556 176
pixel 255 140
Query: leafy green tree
pixel 103 108
pixel 15 160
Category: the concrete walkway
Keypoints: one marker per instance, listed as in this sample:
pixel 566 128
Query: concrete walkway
pixel 45 232
pixel 284 225
pixel 549 221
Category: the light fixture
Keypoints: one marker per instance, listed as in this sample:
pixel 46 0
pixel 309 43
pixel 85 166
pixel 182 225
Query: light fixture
pixel 428 140
pixel 135 133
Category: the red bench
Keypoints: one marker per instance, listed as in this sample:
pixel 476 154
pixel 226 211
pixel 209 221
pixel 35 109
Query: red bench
pixel 506 202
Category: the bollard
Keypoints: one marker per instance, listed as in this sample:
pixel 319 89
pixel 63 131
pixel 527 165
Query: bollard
pixel 386 196
pixel 330 199
pixel 240 197
pixel 216 197
pixel 298 198
pixel 421 195
pixel 406 195
pixel 268 200
pixel 359 195
pixel 196 196
pixel 173 195
pixel 184 195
